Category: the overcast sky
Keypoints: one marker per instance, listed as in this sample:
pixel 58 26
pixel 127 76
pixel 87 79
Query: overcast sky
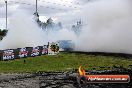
pixel 51 8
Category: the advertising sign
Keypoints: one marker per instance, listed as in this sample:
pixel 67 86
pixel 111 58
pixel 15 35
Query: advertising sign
pixel 53 48
pixel 45 50
pixel 35 51
pixel 23 53
pixel 8 54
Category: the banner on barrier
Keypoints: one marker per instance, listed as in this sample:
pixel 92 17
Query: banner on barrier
pixel 29 49
pixel 45 50
pixel 53 48
pixel 35 52
pixel 22 52
pixel 8 54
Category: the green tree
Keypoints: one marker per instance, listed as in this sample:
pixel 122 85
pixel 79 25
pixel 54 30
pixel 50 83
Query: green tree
pixel 3 33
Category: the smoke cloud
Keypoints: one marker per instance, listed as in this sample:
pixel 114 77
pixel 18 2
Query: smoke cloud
pixel 107 27
pixel 24 32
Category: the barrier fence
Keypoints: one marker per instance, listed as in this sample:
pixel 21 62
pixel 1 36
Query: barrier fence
pixel 11 54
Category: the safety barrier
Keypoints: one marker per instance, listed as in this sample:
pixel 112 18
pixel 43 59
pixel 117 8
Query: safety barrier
pixel 11 54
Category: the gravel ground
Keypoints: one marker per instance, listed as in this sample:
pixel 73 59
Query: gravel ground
pixel 52 80
pixel 45 80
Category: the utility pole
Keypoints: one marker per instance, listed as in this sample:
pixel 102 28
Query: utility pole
pixel 36 12
pixel 6 13
pixel 36 6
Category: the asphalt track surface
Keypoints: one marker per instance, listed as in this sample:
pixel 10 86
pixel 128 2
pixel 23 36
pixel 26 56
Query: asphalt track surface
pixel 125 55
